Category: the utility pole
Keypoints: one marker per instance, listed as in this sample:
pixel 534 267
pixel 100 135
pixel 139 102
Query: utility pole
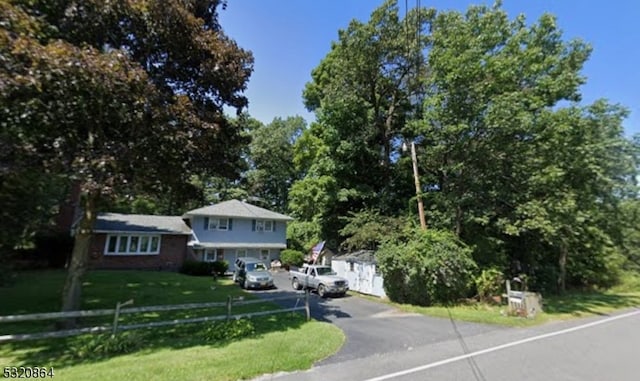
pixel 416 178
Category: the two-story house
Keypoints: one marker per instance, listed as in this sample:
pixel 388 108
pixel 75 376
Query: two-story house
pixel 235 229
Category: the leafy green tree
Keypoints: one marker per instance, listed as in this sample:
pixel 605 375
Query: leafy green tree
pixel 271 155
pixel 631 233
pixel 312 196
pixel 367 229
pixel 303 235
pixel 119 95
pixel 580 173
pixel 504 167
pixel 526 180
pixel 362 93
pixel 489 78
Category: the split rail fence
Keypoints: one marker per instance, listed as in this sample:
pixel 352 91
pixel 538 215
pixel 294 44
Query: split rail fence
pixel 118 310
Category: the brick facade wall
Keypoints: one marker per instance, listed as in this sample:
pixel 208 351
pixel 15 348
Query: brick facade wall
pixel 173 250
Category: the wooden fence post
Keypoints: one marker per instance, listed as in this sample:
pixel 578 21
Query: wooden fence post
pixel 117 315
pixel 120 311
pixel 306 304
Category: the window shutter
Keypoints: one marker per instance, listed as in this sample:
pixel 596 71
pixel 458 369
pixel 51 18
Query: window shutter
pixel 230 223
pixel 206 223
pixel 274 225
pixel 253 225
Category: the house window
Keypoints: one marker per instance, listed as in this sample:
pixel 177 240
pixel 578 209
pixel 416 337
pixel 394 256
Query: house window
pixel 123 243
pixel 155 244
pixel 132 245
pixel 351 266
pixel 264 225
pixel 214 255
pixel 219 224
pixel 264 254
pixel 241 253
pixel 112 244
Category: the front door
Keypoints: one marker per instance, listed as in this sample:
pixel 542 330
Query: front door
pixel 265 256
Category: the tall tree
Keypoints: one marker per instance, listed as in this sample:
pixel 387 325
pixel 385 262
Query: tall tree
pixel 118 94
pixel 582 171
pixel 362 93
pixel 505 167
pixel 271 154
pixel 489 79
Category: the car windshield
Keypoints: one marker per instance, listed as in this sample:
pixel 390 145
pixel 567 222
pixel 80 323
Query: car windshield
pixel 256 267
pixel 324 271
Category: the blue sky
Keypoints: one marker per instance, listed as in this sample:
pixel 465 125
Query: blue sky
pixel 289 38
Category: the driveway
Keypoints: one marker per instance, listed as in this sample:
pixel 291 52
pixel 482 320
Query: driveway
pixel 386 344
pixel 375 328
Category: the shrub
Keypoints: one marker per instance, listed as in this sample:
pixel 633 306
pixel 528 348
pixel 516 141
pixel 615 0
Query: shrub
pixel 428 267
pixel 489 283
pixel 230 330
pixel 105 345
pixel 196 268
pixel 592 271
pixel 291 257
pixel 220 267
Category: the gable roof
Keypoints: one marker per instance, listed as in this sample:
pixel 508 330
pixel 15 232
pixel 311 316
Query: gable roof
pixel 140 223
pixel 236 208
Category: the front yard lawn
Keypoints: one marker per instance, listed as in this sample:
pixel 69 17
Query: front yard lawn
pixel 168 353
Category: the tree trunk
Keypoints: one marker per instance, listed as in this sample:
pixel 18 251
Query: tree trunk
pixel 459 218
pixel 72 292
pixel 562 278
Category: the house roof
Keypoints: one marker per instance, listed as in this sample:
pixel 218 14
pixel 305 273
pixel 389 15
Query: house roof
pixel 361 256
pixel 236 208
pixel 237 245
pixel 140 223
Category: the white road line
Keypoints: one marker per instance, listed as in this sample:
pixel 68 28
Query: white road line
pixel 501 347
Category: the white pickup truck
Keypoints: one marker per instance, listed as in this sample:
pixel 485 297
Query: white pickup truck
pixel 320 278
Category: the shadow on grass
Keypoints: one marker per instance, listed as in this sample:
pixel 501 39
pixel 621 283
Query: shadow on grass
pixel 596 303
pixel 146 288
pixel 74 350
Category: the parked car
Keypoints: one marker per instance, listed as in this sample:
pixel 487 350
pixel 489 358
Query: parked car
pixel 252 273
pixel 320 278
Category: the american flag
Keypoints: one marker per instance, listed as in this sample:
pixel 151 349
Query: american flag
pixel 316 250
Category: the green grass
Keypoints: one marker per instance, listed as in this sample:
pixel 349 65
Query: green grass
pixel 280 342
pixel 40 291
pixel 569 306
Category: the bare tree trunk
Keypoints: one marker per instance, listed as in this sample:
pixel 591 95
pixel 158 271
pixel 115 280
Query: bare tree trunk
pixel 562 261
pixel 72 292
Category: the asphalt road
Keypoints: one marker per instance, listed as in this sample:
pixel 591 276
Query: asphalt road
pixel 375 328
pixel 386 344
